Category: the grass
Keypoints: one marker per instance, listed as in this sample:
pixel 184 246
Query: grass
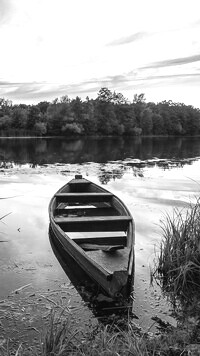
pixel 178 263
pixel 61 339
pixel 177 270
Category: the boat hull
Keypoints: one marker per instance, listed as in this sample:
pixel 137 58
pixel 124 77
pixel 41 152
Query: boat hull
pixel 117 282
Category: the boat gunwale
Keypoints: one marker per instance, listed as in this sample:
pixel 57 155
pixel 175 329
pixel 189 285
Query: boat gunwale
pixel 57 230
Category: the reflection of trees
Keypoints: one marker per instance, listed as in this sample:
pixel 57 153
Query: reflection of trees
pixel 99 150
pixel 41 147
pixel 106 176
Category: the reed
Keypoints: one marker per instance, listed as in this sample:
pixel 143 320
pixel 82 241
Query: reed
pixel 177 266
pixel 60 336
pixel 61 340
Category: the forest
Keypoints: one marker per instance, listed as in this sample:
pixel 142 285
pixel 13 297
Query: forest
pixel 110 114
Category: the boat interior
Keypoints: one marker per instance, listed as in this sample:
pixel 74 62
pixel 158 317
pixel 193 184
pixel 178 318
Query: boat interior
pixel 94 218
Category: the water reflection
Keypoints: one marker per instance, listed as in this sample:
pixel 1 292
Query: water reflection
pixel 39 151
pixel 107 158
pixel 95 298
pixel 149 175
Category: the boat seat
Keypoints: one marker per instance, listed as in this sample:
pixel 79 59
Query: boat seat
pixel 77 181
pixel 79 185
pixel 90 239
pixel 94 223
pixel 83 197
pixel 98 209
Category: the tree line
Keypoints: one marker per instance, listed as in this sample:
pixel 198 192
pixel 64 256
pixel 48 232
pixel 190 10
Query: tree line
pixel 109 114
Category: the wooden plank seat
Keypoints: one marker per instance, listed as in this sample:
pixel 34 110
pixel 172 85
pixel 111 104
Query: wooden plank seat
pixel 79 185
pixel 94 223
pixel 77 205
pixel 87 210
pixel 100 238
pixel 83 197
pixel 79 181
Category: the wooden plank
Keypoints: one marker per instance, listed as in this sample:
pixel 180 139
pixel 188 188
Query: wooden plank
pixel 95 234
pixel 88 219
pixel 76 205
pixel 86 211
pixel 99 237
pixel 93 223
pixel 79 181
pixel 113 262
pixel 105 248
pixel 79 185
pixel 83 197
pixel 106 240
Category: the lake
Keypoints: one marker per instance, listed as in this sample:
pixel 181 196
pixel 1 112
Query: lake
pixel 150 175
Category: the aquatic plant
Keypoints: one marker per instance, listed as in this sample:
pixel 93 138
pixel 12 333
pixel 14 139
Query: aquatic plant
pixel 177 266
pixel 62 337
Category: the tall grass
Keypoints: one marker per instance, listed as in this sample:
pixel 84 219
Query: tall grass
pixel 61 339
pixel 178 263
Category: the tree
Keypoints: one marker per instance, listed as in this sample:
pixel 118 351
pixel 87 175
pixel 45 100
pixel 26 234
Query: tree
pixel 146 123
pixel 158 124
pixel 40 128
pixel 139 98
pixel 139 106
pixel 19 117
pixel 33 116
pixel 126 116
pixel 72 128
pixel 119 99
pixel 77 108
pixel 5 106
pixel 64 99
pixel 104 95
pixel 89 119
pixel 193 121
pixel 5 122
pixel 43 106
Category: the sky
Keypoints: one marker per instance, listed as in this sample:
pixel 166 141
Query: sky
pixel 52 48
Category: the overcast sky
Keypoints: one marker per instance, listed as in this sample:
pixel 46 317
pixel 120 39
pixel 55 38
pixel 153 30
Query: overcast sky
pixel 50 48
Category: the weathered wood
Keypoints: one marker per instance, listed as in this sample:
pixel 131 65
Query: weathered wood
pixel 93 223
pixel 87 211
pixel 77 205
pixel 113 262
pixel 95 234
pixel 105 248
pixel 83 197
pixel 102 240
pixel 88 219
pixel 110 232
pixel 79 185
pixel 79 181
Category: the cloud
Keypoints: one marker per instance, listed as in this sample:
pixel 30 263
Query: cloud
pixel 34 92
pixel 173 62
pixel 37 91
pixel 196 23
pixel 5 10
pixel 128 39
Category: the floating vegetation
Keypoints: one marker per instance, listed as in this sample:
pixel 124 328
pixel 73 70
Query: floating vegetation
pixel 178 264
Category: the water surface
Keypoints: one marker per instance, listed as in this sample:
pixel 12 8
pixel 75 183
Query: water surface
pixel 151 176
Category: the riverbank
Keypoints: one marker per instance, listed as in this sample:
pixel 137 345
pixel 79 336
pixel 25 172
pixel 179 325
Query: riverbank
pixel 62 336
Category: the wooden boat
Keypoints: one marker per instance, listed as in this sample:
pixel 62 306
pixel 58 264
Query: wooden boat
pixel 96 229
